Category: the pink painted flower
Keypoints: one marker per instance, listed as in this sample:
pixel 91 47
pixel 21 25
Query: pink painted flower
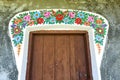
pixel 71 14
pixel 90 19
pixel 47 14
pixel 27 18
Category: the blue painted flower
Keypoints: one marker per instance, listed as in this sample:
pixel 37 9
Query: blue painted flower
pixel 24 24
pixel 17 39
pixel 93 25
pixel 66 20
pixel 98 38
pixel 52 20
pixel 13 25
pixel 81 15
pixel 36 15
pixel 104 25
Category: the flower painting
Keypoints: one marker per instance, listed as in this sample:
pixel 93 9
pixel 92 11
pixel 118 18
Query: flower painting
pixel 31 18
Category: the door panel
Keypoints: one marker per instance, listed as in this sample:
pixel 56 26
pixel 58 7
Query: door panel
pixel 36 53
pixel 80 60
pixel 48 57
pixel 58 56
pixel 62 71
pixel 73 70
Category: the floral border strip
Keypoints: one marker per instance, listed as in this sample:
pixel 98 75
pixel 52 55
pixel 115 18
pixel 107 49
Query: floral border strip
pixel 39 17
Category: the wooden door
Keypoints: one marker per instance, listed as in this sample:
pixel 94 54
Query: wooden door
pixel 59 55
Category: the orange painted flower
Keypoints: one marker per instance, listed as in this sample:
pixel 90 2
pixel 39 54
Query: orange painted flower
pixel 18 49
pixel 87 23
pixel 99 21
pixel 99 48
pixel 53 12
pixel 65 12
pixel 17 21
pixel 30 23
pixel 17 30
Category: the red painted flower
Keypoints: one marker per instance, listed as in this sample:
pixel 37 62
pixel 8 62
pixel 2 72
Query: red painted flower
pixel 17 30
pixel 100 30
pixel 40 20
pixel 78 21
pixel 59 17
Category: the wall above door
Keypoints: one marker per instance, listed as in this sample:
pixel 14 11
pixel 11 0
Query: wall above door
pixel 35 18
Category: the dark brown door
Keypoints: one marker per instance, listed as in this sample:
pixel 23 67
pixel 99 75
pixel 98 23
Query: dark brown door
pixel 59 55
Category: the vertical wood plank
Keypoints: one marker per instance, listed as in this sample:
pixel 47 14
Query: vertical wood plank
pixel 62 67
pixel 48 57
pixel 36 63
pixel 66 58
pixel 73 74
pixel 80 54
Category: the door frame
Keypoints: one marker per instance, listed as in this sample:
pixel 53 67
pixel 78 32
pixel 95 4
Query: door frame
pixel 95 69
pixel 56 32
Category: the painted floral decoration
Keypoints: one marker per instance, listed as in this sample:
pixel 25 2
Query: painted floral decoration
pixel 57 17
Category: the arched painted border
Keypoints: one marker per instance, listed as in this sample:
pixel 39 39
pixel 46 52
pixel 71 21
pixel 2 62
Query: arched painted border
pixel 34 18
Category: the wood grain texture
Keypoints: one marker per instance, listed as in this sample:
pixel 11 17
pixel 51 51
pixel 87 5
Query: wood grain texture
pixel 36 58
pixel 73 74
pixel 59 56
pixel 48 57
pixel 62 57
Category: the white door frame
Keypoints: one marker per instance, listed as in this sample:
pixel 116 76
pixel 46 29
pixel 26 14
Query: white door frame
pixel 95 69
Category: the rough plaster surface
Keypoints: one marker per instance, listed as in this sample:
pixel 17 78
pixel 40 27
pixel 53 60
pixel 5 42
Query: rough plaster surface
pixel 110 67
